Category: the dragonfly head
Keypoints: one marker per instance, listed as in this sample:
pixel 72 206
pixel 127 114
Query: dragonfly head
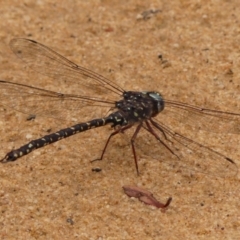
pixel 158 102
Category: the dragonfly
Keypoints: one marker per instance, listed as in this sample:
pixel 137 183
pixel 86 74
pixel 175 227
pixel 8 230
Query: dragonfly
pixel 145 111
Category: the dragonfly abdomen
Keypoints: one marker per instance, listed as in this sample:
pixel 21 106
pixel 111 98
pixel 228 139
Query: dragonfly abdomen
pixel 54 137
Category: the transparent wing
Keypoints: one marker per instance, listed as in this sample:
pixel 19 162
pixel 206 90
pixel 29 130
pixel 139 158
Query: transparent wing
pixel 41 102
pixel 201 118
pixel 181 152
pixel 47 62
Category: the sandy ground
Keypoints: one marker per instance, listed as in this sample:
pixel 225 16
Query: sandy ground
pixel 52 193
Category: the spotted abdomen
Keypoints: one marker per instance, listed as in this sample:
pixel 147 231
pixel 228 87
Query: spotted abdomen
pixel 54 137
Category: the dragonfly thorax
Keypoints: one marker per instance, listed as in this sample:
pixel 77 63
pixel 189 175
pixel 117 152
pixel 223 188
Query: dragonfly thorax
pixel 140 106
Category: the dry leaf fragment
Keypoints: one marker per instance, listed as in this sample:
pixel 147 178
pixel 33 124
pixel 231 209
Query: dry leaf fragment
pixel 145 196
